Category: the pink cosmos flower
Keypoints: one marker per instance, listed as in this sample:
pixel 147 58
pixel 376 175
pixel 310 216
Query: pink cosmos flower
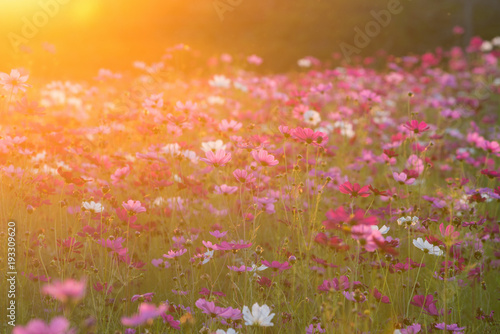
pixel 354 297
pixel 174 254
pixel 232 125
pixel 120 174
pixel 490 146
pixel 449 231
pixel 450 328
pixel 147 297
pixel 218 159
pixel 216 311
pixel 217 234
pixel 65 291
pixel 167 318
pixel 58 325
pixel 232 246
pixel 285 131
pixel 264 158
pixel 240 269
pixel 254 59
pixel 277 265
pixel 402 178
pixel 243 176
pixel 428 303
pixel 308 136
pixel 225 189
pixel 14 82
pixel 354 190
pixel 147 314
pixel 416 127
pixel 133 207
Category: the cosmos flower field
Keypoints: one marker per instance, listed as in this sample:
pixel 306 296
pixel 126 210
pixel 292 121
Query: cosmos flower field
pixel 354 199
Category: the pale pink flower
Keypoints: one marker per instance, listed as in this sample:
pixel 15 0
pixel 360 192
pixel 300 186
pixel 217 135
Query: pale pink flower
pixel 218 159
pixel 133 207
pixel 264 158
pixel 70 289
pixel 402 178
pixel 14 82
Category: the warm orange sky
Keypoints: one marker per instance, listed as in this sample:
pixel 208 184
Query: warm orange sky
pixel 90 34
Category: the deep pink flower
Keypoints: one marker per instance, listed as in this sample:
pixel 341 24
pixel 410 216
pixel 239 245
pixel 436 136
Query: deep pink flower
pixel 308 136
pixel 243 176
pixel 218 159
pixel 264 158
pixel 378 296
pixel 277 265
pixel 167 318
pixel 428 303
pixel 416 127
pixel 354 190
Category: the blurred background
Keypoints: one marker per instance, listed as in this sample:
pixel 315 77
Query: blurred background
pixel 85 35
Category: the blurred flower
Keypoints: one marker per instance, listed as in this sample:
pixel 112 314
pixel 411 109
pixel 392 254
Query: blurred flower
pixel 58 325
pixel 69 290
pixel 14 82
pixel 147 314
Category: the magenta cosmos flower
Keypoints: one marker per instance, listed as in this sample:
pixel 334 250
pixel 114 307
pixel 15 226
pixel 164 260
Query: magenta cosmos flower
pixel 58 325
pixel 147 313
pixel 218 159
pixel 133 207
pixel 264 158
pixel 276 265
pixel 416 127
pixel 70 289
pixel 354 190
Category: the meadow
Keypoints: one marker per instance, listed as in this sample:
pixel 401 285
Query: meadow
pixel 361 198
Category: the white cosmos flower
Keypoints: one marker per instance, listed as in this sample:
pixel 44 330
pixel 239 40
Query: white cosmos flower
pixel 410 220
pixel 172 149
pixel 260 316
pixel 93 207
pixel 427 247
pixel 220 81
pixel 213 146
pixel 229 331
pixel 312 117
pixel 486 46
pixel 208 256
pixel 304 62
pixel 496 41
pixel 383 230
pixel 215 100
